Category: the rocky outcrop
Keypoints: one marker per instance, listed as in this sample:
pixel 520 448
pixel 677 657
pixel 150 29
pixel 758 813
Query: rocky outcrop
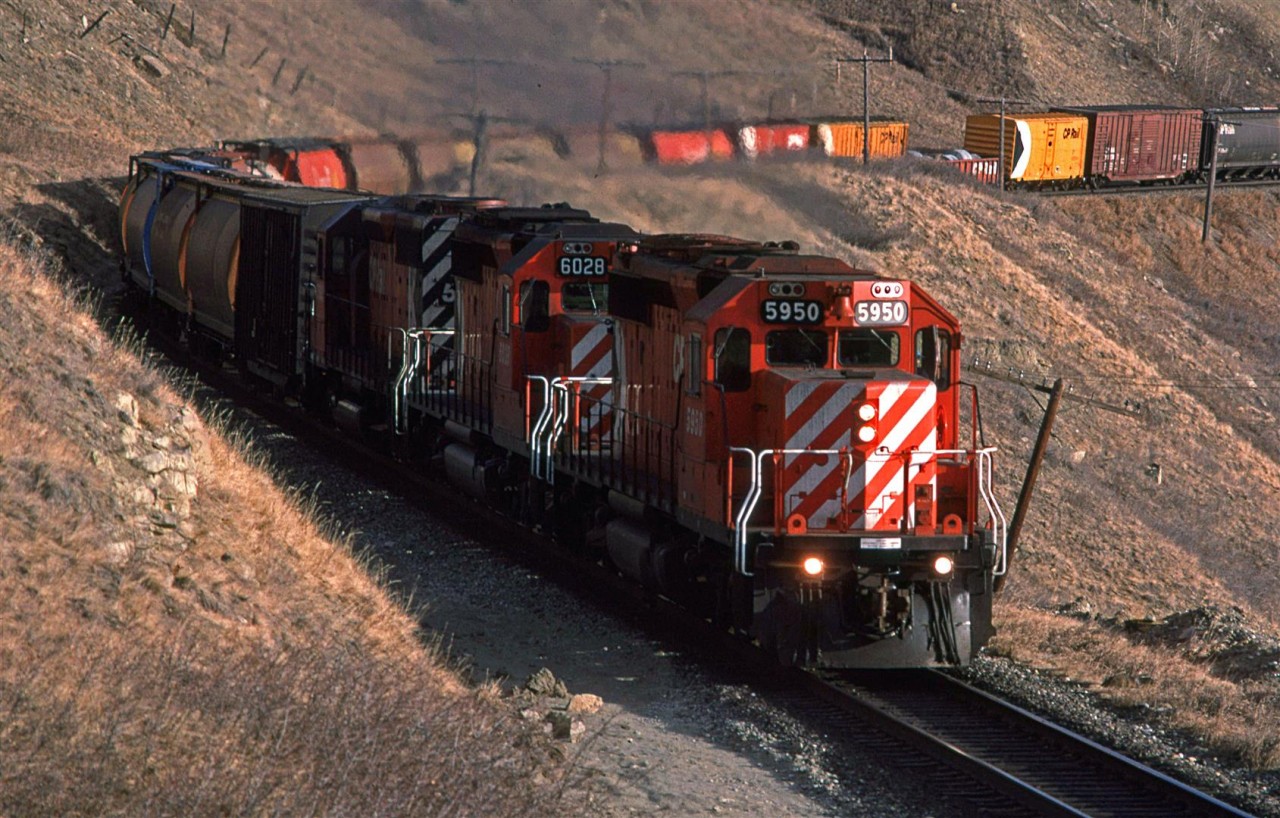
pixel 153 466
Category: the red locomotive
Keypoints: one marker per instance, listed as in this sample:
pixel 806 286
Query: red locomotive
pixel 776 439
pixel 786 432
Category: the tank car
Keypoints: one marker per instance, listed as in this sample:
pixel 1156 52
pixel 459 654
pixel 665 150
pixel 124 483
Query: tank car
pixel 1247 143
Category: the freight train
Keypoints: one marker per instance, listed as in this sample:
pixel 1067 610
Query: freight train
pixel 1103 146
pixel 394 165
pixel 777 440
pixel 1070 147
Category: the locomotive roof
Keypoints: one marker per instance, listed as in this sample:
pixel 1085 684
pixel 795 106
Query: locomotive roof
pixel 526 218
pixel 281 143
pixel 656 256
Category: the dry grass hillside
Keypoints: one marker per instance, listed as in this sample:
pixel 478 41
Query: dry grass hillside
pixel 176 634
pixel 1147 563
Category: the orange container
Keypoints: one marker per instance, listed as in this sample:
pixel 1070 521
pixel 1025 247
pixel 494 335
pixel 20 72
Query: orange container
pixel 1038 148
pixel 844 138
pixel 315 167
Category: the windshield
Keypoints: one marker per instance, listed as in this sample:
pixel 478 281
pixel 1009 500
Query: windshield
pixel 795 347
pixel 867 347
pixel 584 296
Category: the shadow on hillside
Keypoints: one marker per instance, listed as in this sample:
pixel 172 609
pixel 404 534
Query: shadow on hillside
pixel 78 223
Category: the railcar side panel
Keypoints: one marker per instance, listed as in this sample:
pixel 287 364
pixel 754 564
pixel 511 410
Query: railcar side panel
pixel 1141 144
pixel 1040 148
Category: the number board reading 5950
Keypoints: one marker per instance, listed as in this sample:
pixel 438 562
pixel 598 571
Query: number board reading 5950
pixel 779 311
pixel 582 266
pixel 880 313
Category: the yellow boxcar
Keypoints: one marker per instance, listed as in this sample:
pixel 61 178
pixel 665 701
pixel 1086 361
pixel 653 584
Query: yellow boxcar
pixel 1038 148
pixel 844 138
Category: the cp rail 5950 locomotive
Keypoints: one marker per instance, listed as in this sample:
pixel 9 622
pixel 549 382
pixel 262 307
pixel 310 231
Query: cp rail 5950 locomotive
pixel 777 440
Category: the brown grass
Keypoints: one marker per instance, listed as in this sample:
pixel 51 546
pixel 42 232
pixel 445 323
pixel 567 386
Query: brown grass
pixel 1239 713
pixel 216 656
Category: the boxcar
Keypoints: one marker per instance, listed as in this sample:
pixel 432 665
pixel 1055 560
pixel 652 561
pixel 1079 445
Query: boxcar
pixel 1039 148
pixel 1140 143
pixel 844 138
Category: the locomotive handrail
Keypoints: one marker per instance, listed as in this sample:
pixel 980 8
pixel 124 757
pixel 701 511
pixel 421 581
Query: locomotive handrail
pixel 396 403
pixel 560 390
pixel 999 527
pixel 983 480
pixel 757 488
pixel 535 436
pixel 546 431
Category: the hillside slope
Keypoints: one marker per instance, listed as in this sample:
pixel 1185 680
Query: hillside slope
pixel 1136 520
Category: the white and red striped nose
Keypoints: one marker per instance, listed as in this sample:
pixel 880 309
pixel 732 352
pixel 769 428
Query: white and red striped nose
pixel 887 428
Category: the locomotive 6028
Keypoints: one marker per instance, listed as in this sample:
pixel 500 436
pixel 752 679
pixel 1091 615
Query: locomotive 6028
pixel 777 440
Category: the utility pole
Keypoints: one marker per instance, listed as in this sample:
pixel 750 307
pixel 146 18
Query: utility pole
pixel 606 97
pixel 866 61
pixel 704 76
pixel 475 63
pixel 1000 156
pixel 1213 171
pixel 480 123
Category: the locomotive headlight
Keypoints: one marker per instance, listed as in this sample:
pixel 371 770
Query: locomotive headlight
pixel 813 566
pixel 943 566
pixel 866 412
pixel 867 434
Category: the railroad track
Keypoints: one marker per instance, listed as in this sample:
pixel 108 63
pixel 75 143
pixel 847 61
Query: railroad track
pixel 1198 188
pixel 1005 760
pixel 985 757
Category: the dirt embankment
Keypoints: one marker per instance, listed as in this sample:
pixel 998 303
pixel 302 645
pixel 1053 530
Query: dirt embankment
pixel 1137 518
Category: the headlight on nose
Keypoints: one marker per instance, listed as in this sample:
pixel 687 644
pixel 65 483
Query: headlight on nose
pixel 866 412
pixel 867 433
pixel 943 565
pixel 813 566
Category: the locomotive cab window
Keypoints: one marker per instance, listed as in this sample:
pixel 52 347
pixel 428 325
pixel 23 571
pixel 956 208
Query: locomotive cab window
pixel 504 319
pixel 535 310
pixel 584 296
pixel 933 355
pixel 694 368
pixel 795 347
pixel 868 347
pixel 732 354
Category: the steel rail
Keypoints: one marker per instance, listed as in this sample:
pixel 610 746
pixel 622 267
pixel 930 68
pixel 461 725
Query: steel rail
pixel 1197 188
